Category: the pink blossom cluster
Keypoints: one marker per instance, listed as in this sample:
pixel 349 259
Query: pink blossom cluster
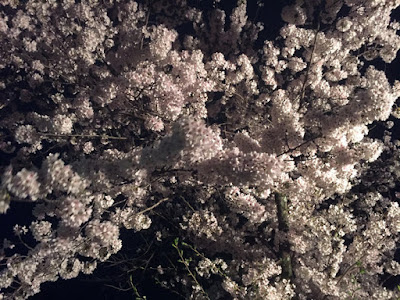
pixel 234 166
pixel 245 204
pixel 171 120
pixel 23 184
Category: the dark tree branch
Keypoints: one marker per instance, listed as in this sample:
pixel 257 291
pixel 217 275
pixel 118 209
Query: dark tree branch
pixel 284 246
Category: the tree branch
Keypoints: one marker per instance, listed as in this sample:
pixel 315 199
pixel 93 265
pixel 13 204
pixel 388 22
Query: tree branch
pixel 284 246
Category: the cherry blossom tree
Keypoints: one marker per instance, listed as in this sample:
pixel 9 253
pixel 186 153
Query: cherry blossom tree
pixel 251 160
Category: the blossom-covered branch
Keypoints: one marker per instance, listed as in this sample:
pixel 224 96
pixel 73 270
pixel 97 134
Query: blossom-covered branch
pixel 171 120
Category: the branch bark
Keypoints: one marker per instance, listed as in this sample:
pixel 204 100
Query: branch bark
pixel 283 225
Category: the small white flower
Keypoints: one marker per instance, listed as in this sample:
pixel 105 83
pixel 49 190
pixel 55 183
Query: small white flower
pixel 344 24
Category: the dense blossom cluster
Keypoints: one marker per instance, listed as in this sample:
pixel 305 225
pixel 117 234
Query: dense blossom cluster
pixel 168 120
pixel 24 184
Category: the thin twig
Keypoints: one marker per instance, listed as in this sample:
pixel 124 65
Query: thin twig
pixel 187 203
pixel 153 206
pixel 185 263
pixel 298 146
pixel 104 136
pixel 359 260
